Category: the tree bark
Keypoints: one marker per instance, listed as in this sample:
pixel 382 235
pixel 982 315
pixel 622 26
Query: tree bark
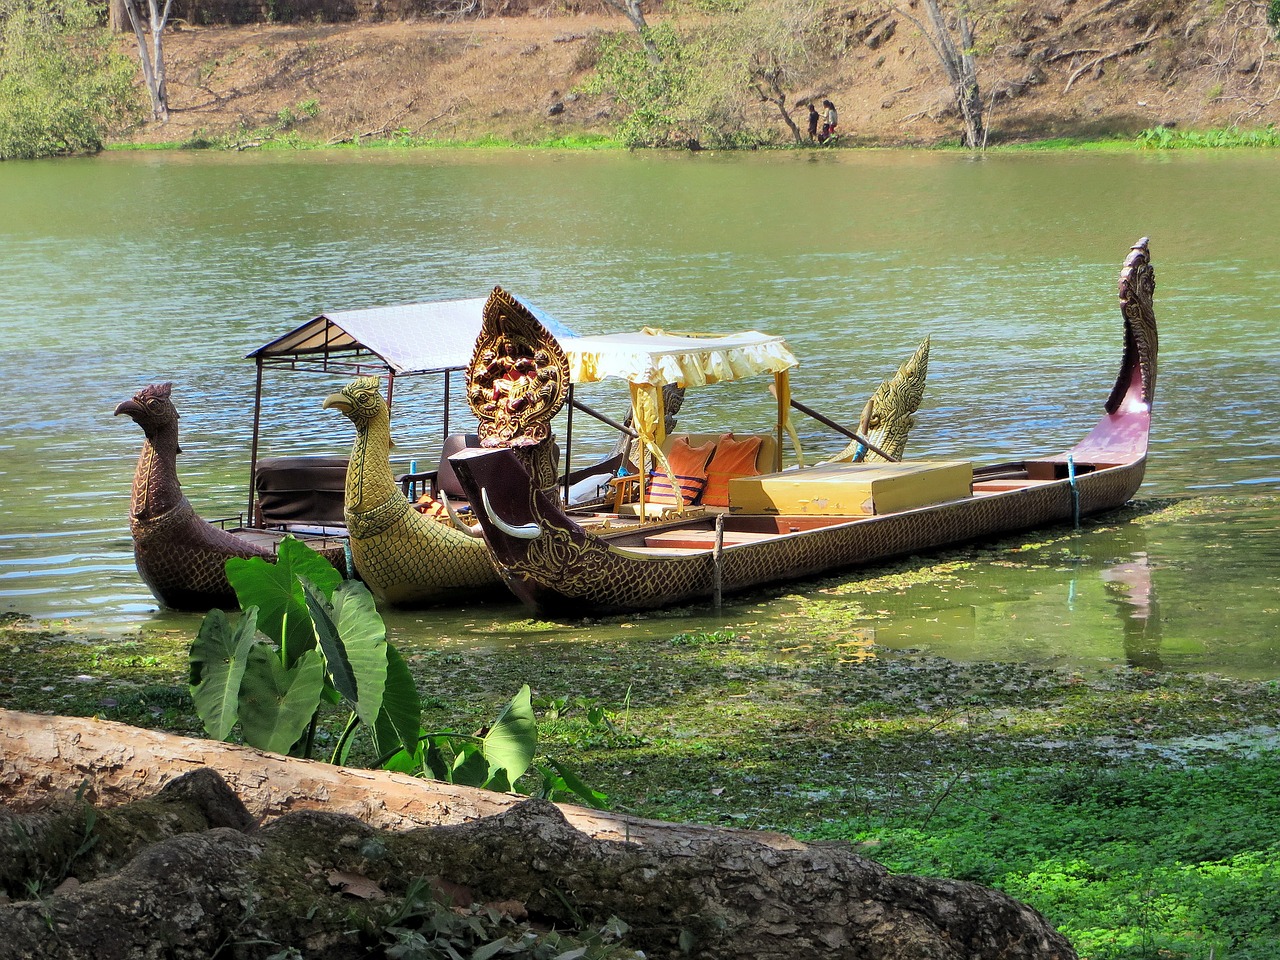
pixel 683 890
pixel 153 67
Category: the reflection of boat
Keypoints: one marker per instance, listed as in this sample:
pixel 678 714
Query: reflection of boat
pixel 795 524
pixel 1131 588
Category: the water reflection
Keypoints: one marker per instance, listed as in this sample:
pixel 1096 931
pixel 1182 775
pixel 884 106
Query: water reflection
pixel 1131 588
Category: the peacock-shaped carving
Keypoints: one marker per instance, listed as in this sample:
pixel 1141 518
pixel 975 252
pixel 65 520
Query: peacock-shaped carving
pixel 181 557
pixel 404 557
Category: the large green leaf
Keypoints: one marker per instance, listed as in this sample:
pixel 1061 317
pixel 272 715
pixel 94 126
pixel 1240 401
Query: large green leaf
pixel 513 738
pixel 400 719
pixel 354 640
pixel 470 768
pixel 275 590
pixel 218 659
pixel 324 624
pixel 569 781
pixel 276 704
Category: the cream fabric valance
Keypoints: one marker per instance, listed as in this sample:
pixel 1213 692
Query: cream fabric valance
pixel 656 358
pixel 650 359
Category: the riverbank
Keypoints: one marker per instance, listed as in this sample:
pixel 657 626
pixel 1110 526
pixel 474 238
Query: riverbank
pixel 1108 72
pixel 1137 809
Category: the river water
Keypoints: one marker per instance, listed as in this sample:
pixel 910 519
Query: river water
pixel 132 268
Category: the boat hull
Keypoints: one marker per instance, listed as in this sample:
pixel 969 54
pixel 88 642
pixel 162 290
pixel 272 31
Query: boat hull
pixel 567 570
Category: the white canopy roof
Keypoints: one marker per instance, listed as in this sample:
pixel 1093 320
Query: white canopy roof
pixel 656 358
pixel 406 339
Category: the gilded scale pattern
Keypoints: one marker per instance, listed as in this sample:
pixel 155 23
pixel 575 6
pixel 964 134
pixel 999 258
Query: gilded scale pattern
pixel 402 556
pixel 890 414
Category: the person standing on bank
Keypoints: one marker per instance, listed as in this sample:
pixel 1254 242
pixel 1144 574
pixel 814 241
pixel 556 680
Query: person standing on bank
pixel 813 121
pixel 830 119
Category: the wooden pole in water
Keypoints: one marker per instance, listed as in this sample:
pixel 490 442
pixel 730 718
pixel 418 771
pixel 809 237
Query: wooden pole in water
pixel 717 558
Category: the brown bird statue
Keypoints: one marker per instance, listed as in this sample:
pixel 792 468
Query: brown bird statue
pixel 181 557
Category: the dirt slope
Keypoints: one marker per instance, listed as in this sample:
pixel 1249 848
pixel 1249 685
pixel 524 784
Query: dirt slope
pixel 1063 68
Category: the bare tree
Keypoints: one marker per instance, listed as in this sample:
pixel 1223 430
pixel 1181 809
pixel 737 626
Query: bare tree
pixel 152 23
pixel 768 77
pixel 633 10
pixel 952 41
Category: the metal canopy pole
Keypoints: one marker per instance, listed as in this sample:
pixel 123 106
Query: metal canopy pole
pixel 446 407
pixel 568 442
pixel 253 447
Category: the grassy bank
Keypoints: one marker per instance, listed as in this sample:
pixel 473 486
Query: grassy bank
pixel 287 133
pixel 1139 811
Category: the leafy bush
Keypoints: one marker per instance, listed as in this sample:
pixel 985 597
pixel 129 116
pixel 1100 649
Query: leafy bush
pixel 1162 138
pixel 62 85
pixel 307 638
pixel 654 93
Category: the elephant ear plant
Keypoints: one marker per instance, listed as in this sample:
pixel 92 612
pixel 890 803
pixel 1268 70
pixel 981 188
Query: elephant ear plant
pixel 306 638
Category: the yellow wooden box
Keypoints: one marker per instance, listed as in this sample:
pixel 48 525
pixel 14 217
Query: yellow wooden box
pixel 852 489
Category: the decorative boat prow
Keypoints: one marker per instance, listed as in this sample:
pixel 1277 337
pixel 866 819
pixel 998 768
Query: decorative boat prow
pixel 181 557
pixel 1122 434
pixel 518 380
pixel 404 557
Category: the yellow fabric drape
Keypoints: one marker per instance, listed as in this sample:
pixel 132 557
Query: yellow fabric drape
pixel 649 417
pixel 782 389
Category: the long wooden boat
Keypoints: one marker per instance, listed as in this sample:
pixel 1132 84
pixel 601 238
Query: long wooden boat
pixel 558 566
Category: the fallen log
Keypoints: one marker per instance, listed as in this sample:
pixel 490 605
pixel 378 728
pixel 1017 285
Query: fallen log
pixel 43 757
pixel 682 890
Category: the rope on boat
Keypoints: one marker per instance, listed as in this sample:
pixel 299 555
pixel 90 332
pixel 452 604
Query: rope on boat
pixel 717 558
pixel 1075 491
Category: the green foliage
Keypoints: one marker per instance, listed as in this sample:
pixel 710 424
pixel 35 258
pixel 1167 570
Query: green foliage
pixel 703 638
pixel 1273 16
pixel 62 84
pixel 1129 861
pixel 654 94
pixel 711 71
pixel 1163 138
pixel 282 132
pixel 308 638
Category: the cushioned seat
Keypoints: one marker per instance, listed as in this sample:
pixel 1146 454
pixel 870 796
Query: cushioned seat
pixel 730 456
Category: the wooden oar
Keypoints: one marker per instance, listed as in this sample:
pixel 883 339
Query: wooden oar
pixel 827 421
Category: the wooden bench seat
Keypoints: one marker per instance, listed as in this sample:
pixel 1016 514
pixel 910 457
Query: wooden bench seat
pixel 1004 486
pixel 703 539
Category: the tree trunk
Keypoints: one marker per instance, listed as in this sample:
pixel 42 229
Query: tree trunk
pixel 117 16
pixel 633 10
pixel 153 71
pixel 958 63
pixel 771 76
pixel 173 879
